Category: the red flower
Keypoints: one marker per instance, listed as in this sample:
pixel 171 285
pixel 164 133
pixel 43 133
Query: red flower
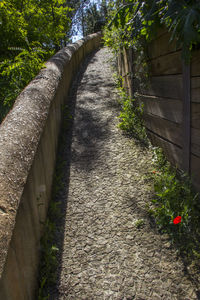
pixel 177 220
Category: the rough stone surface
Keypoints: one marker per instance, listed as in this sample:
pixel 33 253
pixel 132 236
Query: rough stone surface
pixel 105 255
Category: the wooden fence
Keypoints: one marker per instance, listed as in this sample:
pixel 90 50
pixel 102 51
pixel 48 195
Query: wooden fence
pixel 171 101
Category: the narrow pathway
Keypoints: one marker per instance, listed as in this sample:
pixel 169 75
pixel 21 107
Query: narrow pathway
pixel 105 254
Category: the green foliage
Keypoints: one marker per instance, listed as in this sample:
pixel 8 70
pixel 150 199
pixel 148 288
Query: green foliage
pixel 92 17
pixel 183 19
pixel 12 28
pixel 174 197
pixel 139 223
pixel 17 72
pixel 132 24
pixel 24 22
pixel 131 115
pixel 140 19
pixel 30 33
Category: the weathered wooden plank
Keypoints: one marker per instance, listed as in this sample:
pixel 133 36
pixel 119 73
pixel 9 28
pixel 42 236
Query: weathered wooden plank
pixel 172 152
pixel 186 117
pixel 161 46
pixel 164 128
pixel 159 32
pixel 195 171
pixel 195 63
pixel 168 86
pixel 170 109
pixel 195 89
pixel 174 155
pixel 127 68
pixel 195 115
pixel 122 65
pixel 195 141
pixel 131 70
pixel 166 65
pixel 119 65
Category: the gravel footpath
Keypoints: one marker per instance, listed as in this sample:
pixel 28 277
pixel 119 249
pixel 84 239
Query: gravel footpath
pixel 105 254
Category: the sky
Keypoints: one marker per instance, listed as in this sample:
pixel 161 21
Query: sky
pixel 79 34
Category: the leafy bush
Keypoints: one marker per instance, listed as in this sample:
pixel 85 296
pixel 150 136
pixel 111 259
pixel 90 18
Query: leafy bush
pixel 30 32
pixel 131 114
pixel 141 19
pixel 17 72
pixel 174 196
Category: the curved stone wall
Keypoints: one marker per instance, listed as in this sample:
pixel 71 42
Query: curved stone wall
pixel 28 143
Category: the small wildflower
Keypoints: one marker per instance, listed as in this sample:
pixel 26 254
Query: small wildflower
pixel 177 220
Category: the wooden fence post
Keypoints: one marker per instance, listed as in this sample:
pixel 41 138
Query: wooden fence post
pixel 186 117
pixel 132 71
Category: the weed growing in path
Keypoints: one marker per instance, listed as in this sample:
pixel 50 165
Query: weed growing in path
pixel 139 223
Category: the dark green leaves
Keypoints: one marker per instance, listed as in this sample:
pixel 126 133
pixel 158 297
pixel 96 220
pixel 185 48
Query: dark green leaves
pixel 123 11
pixel 30 32
pixel 182 18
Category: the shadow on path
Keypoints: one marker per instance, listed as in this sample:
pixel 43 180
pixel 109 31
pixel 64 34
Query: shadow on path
pixel 62 172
